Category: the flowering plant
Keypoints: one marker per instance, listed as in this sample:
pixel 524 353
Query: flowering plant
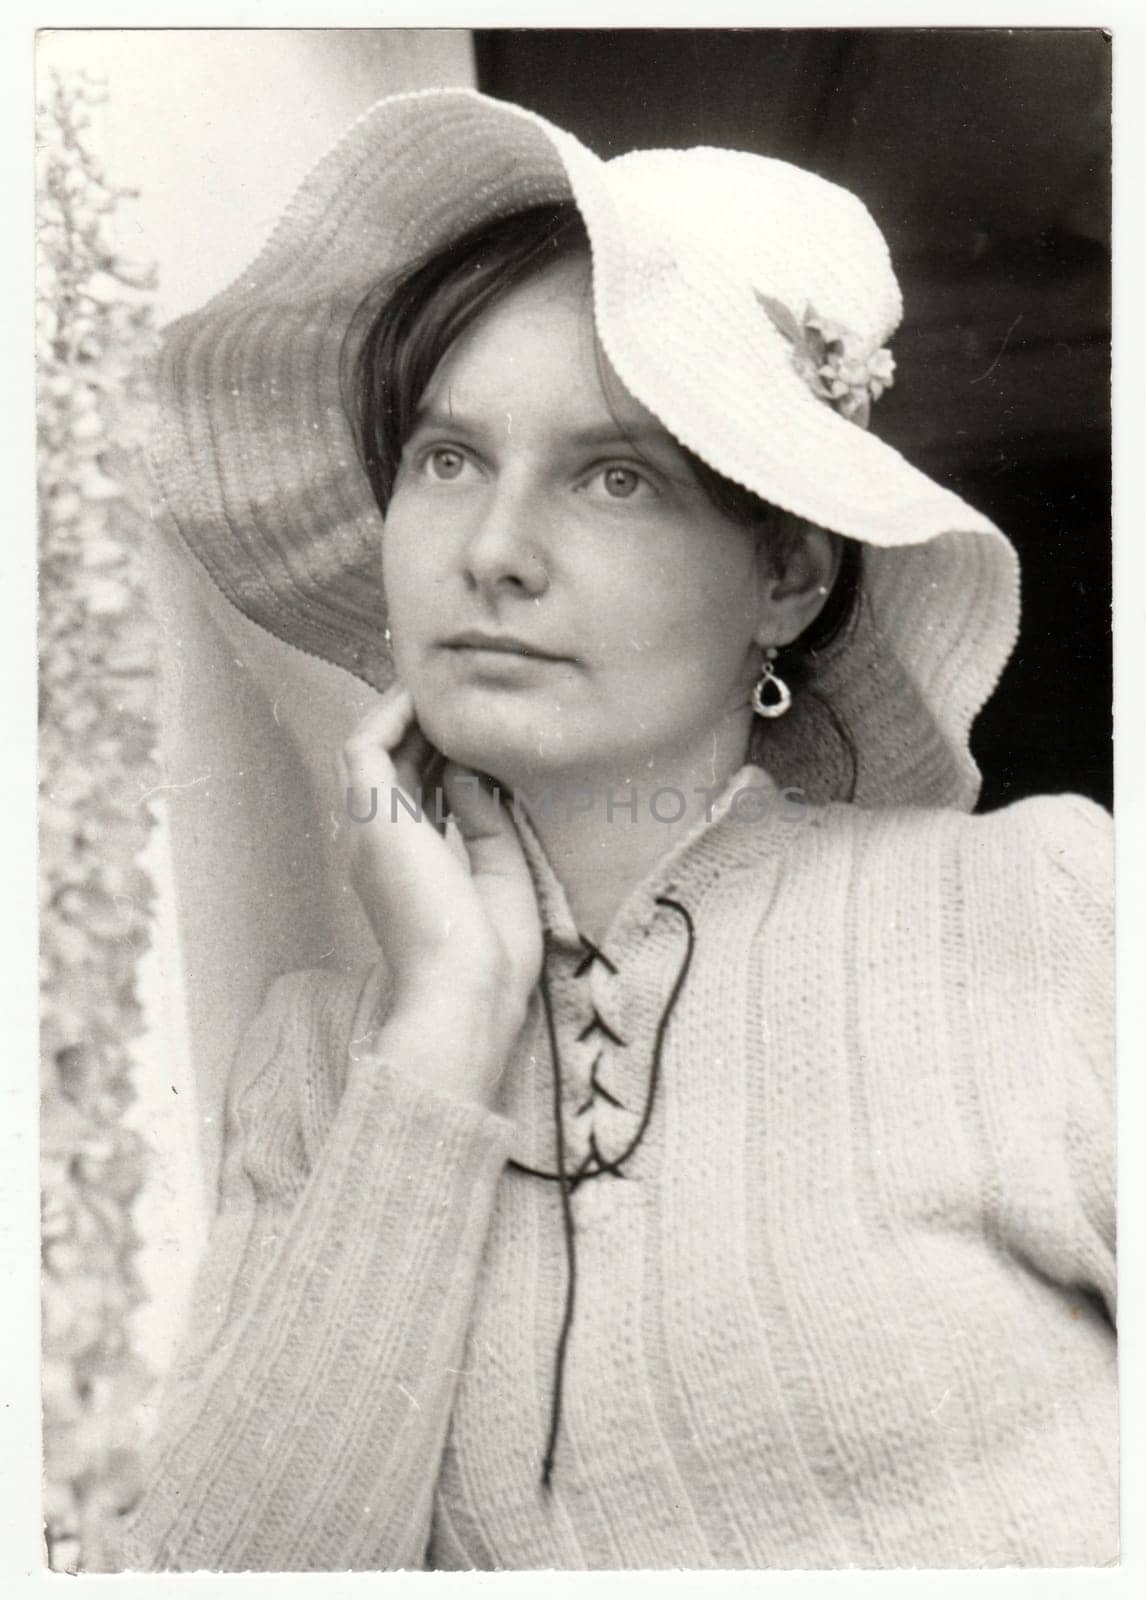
pixel 97 741
pixel 832 361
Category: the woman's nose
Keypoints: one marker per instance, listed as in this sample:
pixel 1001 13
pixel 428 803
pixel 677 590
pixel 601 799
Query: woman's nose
pixel 503 552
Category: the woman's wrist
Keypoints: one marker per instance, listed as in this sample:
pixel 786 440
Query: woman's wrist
pixel 450 1036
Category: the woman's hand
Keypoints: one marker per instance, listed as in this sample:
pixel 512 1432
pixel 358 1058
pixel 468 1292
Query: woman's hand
pixel 463 947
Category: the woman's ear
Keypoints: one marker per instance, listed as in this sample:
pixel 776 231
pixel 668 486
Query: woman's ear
pixel 796 577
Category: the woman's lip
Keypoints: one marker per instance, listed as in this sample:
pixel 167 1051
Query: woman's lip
pixel 503 644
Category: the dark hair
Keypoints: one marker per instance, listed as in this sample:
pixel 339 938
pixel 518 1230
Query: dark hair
pixel 405 326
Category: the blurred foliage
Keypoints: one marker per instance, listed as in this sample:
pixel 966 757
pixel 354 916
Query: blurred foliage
pixel 97 739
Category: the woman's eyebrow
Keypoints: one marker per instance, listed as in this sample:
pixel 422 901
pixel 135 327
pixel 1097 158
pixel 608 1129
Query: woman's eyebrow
pixel 435 417
pixel 615 433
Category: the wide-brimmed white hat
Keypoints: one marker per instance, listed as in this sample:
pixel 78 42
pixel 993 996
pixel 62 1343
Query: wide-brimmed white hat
pixel 720 279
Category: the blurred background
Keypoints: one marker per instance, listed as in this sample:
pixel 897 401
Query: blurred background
pixel 985 158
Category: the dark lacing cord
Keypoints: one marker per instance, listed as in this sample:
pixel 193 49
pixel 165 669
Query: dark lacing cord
pixel 593 952
pixel 567 1184
pixel 570 1245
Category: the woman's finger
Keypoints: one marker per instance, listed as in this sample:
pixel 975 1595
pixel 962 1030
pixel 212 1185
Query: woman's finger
pixel 412 755
pixel 386 737
pixel 382 729
pixel 477 809
pixel 389 737
pixel 499 871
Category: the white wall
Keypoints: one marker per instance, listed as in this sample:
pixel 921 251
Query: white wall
pixel 215 129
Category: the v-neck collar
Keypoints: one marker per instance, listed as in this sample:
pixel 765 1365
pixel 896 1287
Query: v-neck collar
pixel 731 836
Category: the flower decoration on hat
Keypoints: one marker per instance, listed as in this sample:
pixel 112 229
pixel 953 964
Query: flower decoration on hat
pixel 832 361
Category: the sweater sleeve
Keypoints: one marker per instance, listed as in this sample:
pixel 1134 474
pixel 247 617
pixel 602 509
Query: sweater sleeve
pixel 1078 853
pixel 1053 861
pixel 303 1422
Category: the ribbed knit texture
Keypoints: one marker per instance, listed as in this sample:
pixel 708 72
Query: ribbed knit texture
pixel 852 1304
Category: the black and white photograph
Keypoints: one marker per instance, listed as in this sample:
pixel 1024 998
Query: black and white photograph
pixel 576 799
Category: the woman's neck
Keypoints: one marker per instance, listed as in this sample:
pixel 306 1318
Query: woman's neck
pixel 603 834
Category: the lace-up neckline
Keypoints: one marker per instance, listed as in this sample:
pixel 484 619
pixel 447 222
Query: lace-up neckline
pixel 663 891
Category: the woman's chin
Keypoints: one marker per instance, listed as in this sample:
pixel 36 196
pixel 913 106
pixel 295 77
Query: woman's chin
pixel 513 742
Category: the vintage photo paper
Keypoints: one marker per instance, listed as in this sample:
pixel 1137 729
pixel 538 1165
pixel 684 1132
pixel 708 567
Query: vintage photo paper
pixel 576 818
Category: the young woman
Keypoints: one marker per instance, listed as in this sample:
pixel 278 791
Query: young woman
pixel 712 1166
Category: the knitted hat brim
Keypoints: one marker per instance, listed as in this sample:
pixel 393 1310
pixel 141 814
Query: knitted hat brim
pixel 255 460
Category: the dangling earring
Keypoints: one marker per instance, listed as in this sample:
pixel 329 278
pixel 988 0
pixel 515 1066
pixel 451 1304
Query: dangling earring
pixel 387 636
pixel 768 683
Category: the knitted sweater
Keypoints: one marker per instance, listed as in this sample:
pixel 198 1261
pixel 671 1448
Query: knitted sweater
pixel 849 1304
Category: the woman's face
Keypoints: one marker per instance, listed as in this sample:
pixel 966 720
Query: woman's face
pixel 563 597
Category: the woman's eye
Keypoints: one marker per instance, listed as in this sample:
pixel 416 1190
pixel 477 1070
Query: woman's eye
pixel 622 483
pixel 445 463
